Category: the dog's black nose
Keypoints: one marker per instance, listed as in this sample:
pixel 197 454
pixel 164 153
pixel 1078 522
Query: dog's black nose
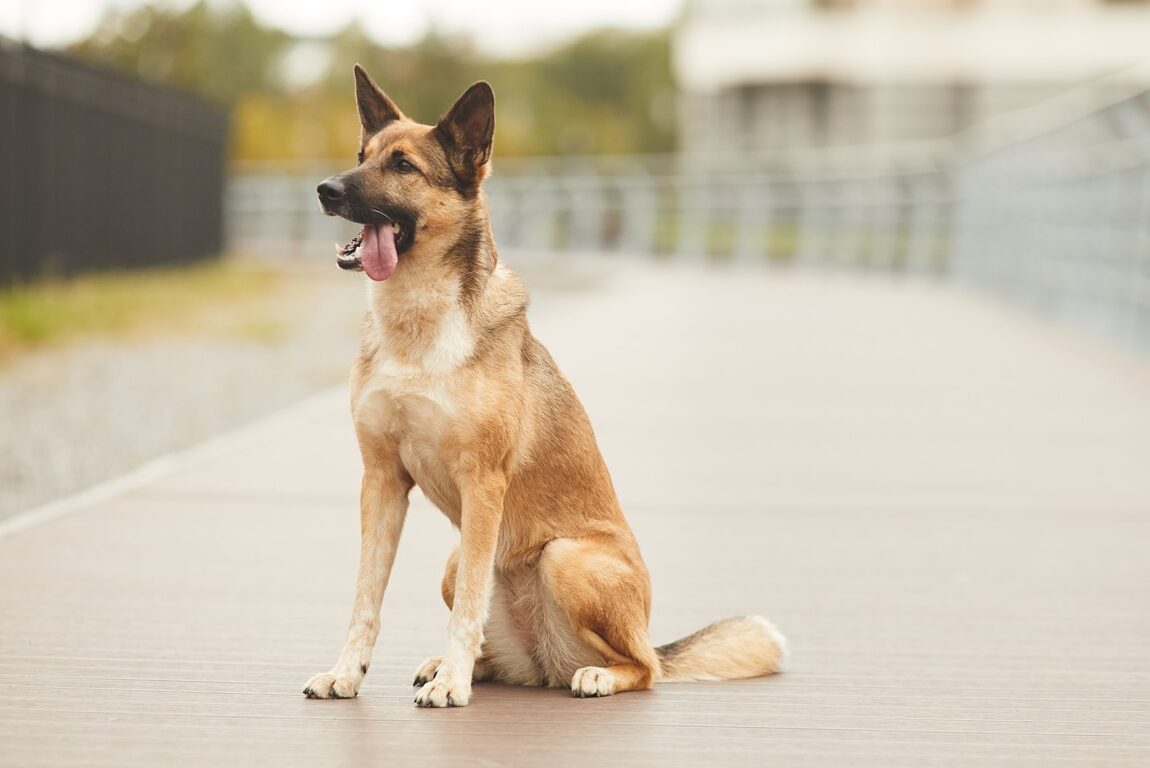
pixel 331 189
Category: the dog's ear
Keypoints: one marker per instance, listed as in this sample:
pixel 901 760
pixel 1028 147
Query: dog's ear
pixel 467 131
pixel 375 109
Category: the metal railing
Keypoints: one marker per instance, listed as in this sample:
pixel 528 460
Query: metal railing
pixel 890 218
pixel 1049 209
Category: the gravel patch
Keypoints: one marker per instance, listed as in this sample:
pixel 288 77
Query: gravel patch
pixel 74 416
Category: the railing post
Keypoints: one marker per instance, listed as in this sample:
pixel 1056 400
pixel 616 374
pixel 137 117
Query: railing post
pixel 693 217
pixel 753 219
pixel 638 211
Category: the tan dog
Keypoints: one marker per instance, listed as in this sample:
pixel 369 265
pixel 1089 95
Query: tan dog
pixel 451 391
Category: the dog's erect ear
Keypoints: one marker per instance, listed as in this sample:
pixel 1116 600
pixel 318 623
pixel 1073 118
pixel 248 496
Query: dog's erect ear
pixel 468 129
pixel 375 109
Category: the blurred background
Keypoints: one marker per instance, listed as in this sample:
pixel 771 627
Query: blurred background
pixel 165 273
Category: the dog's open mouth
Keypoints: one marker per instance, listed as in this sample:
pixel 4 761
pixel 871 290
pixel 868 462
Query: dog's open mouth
pixel 374 250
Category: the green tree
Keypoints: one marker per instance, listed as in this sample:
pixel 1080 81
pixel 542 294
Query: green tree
pixel 607 91
pixel 218 51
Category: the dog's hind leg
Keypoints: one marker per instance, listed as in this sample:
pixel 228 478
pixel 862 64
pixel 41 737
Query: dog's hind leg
pixel 605 593
pixel 383 507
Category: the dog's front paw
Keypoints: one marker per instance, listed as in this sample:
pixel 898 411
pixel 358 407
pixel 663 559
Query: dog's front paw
pixel 444 691
pixel 330 685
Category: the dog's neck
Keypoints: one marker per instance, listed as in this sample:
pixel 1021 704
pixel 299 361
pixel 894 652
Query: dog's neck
pixel 425 312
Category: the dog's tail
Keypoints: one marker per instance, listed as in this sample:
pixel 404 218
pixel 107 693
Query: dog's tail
pixel 745 646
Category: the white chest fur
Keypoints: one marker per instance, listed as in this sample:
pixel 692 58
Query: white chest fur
pixel 420 372
pixel 412 393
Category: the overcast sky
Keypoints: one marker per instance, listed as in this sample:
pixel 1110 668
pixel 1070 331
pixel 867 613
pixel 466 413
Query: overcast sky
pixel 500 26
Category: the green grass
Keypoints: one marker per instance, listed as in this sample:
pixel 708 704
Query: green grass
pixel 214 295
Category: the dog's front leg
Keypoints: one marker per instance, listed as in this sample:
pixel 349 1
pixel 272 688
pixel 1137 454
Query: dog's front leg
pixel 382 509
pixel 482 513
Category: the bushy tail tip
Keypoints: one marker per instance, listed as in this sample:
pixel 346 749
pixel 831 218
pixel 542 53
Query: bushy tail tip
pixel 745 646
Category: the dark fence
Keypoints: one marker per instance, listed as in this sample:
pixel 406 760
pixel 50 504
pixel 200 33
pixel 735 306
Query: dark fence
pixel 100 171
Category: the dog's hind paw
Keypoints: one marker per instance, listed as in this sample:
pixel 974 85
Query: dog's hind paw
pixel 328 685
pixel 592 682
pixel 426 671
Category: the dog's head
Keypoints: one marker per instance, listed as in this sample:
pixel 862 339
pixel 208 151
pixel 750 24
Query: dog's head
pixel 413 182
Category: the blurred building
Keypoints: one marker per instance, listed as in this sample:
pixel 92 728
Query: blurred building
pixel 766 75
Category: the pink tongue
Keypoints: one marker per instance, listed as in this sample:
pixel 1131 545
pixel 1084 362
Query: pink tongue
pixel 378 251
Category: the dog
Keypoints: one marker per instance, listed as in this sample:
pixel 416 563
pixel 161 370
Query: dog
pixel 452 392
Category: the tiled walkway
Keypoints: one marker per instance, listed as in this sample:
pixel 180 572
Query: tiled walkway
pixel 944 505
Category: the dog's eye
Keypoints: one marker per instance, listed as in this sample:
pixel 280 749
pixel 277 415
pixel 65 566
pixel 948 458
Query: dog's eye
pixel 402 166
pixel 359 157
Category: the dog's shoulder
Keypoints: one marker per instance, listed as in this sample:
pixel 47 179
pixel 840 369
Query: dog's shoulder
pixel 504 299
